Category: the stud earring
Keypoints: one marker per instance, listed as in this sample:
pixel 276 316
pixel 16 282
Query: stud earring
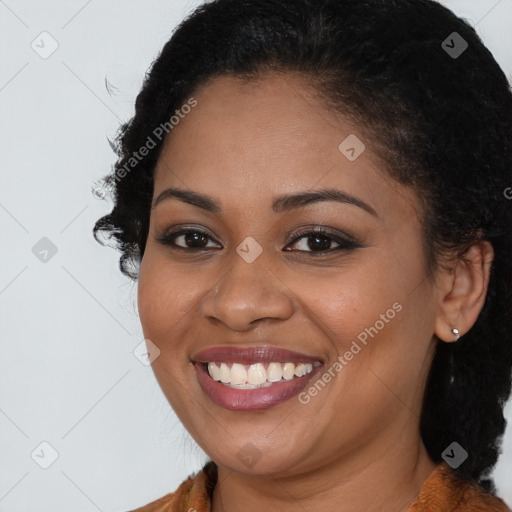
pixel 456 334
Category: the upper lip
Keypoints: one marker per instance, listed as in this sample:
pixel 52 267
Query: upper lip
pixel 251 355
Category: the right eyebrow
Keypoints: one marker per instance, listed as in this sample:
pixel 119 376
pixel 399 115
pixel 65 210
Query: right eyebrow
pixel 187 196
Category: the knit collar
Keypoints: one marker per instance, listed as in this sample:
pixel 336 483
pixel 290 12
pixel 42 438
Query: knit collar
pixel 442 491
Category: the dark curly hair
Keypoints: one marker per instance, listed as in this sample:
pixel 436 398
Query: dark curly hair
pixel 437 121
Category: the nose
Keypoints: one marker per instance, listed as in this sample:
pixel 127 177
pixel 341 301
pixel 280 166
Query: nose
pixel 247 294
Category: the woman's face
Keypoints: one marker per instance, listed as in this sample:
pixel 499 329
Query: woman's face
pixel 250 275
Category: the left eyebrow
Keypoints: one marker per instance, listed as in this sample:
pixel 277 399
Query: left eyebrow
pixel 289 202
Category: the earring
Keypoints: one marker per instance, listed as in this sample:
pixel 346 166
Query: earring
pixel 456 334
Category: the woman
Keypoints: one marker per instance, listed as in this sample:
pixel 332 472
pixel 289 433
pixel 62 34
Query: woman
pixel 311 195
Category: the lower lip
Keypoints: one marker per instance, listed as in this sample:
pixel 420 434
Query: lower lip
pixel 252 399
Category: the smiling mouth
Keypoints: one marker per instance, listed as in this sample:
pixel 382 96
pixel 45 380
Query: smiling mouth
pixel 257 375
pixel 253 378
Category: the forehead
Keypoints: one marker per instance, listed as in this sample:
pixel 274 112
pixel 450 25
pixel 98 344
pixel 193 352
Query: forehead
pixel 268 136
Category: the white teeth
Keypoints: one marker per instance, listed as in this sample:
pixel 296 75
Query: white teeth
pixel 288 371
pixel 214 371
pixel 302 369
pixel 225 373
pixel 266 384
pixel 274 372
pixel 255 375
pixel 239 375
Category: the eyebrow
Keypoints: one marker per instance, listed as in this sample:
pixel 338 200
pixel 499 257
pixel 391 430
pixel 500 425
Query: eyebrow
pixel 282 203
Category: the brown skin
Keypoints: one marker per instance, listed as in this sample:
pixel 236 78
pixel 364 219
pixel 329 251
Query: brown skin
pixel 356 443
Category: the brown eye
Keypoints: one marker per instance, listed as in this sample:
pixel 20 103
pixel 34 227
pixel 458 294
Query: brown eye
pixel 192 239
pixel 316 243
pixel 321 241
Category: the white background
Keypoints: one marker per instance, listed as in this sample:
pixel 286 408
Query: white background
pixel 68 326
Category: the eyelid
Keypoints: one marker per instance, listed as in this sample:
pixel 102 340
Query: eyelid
pixel 344 243
pixel 323 230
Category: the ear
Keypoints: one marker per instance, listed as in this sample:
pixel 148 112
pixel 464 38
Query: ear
pixel 462 290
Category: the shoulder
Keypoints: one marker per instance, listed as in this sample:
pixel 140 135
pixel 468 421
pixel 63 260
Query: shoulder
pixel 194 494
pixel 475 498
pixel 444 490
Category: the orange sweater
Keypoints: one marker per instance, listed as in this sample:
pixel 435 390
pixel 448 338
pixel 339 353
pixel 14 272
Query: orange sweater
pixel 443 491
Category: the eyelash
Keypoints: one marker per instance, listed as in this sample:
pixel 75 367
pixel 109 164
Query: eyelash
pixel 345 243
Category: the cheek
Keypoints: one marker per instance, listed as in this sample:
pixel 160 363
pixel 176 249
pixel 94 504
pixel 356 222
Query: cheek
pixel 345 301
pixel 165 298
pixel 165 290
pixel 376 315
pixel 166 313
